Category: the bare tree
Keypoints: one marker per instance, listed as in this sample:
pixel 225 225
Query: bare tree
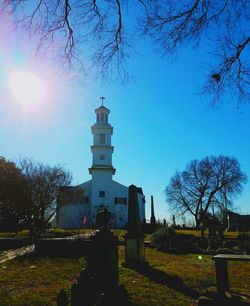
pixel 207 185
pixel 99 29
pixel 42 185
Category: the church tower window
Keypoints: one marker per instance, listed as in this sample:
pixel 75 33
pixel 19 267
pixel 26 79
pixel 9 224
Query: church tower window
pixel 98 118
pixel 102 117
pixel 102 138
pixel 101 194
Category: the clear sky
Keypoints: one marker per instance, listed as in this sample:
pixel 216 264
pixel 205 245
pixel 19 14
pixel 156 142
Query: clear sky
pixel 160 122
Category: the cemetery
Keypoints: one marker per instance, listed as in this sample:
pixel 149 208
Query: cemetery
pixel 99 250
pixel 114 257
pixel 171 227
pixel 94 269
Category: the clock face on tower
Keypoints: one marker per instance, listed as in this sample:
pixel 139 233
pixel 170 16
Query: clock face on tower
pixel 102 157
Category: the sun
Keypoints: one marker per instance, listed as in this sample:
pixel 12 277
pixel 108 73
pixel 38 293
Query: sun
pixel 25 87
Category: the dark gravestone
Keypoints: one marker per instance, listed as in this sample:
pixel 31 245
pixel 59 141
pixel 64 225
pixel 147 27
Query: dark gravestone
pixel 152 218
pixel 212 226
pixel 174 223
pixel 134 240
pixel 202 229
pixel 103 260
pixel 98 283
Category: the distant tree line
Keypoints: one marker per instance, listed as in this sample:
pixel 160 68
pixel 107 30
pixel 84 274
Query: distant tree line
pixel 28 194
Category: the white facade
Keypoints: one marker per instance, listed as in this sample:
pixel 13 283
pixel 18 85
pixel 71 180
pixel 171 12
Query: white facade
pixel 77 206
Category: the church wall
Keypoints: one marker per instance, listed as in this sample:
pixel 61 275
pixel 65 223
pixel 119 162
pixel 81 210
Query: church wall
pixel 101 181
pixel 72 216
pixel 141 207
pixel 71 210
pixel 120 211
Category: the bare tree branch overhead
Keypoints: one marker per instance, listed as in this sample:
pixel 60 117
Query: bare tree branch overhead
pixel 224 24
pixel 100 31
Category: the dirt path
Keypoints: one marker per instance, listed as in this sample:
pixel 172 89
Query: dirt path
pixel 84 235
pixel 13 253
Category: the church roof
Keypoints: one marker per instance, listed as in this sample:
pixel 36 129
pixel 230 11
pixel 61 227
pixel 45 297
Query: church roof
pixel 233 214
pixel 102 108
pixel 139 190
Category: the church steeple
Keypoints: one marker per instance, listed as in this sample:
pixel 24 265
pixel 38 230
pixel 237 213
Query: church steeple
pixel 102 115
pixel 102 149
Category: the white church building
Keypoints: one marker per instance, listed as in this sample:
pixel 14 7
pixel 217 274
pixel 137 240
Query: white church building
pixel 77 206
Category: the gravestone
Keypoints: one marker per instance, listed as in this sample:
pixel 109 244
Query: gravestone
pixel 134 239
pixel 152 218
pixel 211 226
pixel 98 282
pixel 174 223
pixel 202 229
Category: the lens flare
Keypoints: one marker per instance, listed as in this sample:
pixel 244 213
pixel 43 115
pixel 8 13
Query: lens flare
pixel 25 87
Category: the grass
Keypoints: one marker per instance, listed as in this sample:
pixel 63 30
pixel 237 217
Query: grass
pixel 30 280
pixel 21 234
pixel 172 279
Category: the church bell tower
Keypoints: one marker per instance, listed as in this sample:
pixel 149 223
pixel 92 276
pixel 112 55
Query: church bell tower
pixel 102 169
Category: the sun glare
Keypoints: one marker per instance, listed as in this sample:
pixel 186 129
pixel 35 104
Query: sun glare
pixel 26 87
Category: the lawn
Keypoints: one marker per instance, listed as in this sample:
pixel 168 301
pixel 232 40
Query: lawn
pixel 21 234
pixel 171 280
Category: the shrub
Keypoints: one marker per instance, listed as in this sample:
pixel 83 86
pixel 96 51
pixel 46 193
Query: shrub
pixel 224 251
pixel 182 243
pixel 162 237
pixel 236 249
pixel 202 244
pixel 243 242
pixel 229 244
pixel 215 243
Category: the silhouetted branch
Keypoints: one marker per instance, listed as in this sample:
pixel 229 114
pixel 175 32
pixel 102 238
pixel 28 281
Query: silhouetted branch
pixel 173 23
pixel 74 30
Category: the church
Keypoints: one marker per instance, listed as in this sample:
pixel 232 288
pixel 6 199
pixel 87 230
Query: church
pixel 77 206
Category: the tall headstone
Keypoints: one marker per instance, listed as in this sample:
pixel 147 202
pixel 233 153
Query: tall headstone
pixel 134 240
pixel 100 279
pixel 174 223
pixel 152 218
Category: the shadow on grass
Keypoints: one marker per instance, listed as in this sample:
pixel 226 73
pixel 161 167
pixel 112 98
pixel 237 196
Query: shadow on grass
pixel 173 282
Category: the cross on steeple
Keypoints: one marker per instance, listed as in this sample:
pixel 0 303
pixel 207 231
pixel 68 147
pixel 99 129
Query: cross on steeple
pixel 102 98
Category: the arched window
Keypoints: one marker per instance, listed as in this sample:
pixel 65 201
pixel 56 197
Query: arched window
pixel 102 117
pixel 98 118
pixel 106 118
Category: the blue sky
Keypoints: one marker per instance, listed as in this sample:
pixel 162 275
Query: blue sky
pixel 160 122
